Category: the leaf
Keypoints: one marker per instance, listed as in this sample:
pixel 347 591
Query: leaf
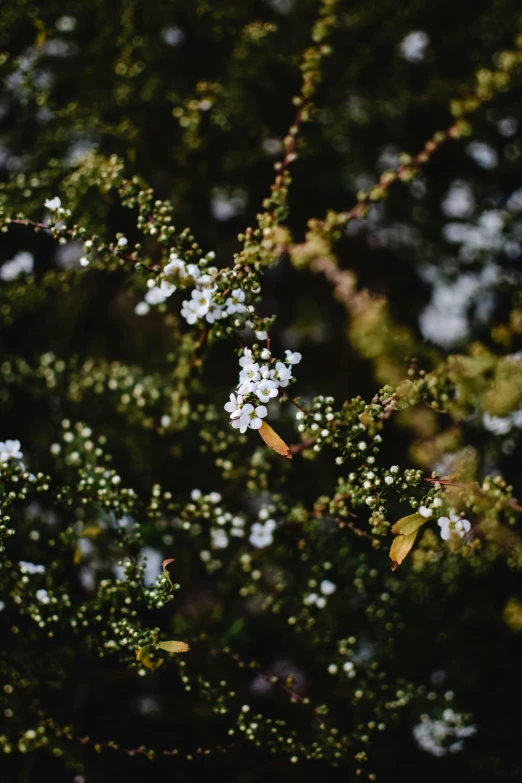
pixel 273 440
pixel 164 565
pixel 174 647
pixel 77 556
pixel 409 524
pixel 400 548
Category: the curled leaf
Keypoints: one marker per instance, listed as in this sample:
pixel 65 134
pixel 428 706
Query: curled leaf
pixel 174 647
pixel 164 565
pixel 273 440
pixel 400 547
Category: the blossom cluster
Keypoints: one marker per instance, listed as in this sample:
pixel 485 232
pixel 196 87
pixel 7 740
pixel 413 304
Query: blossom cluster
pixel 258 383
pixel 203 304
pixel 442 736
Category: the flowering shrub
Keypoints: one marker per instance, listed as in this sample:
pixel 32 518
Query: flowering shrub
pixel 310 563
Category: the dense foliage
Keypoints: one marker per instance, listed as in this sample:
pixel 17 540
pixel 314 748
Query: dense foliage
pixel 260 390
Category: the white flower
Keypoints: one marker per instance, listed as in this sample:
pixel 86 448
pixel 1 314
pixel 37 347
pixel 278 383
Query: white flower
pixel 235 301
pixel 247 387
pixel 293 357
pixel 327 587
pixel 203 300
pixel 266 390
pixel 453 524
pixel 214 497
pixel 234 406
pixel 261 335
pixel 250 417
pixel 214 313
pixel 84 261
pixel 196 494
pixel 206 281
pixel 122 242
pixel 389 480
pixel 142 308
pixel 282 374
pixel 175 266
pixel 414 45
pixel 193 271
pixel 250 373
pixel 155 296
pixel 218 539
pixel 42 596
pixel 260 536
pixel 53 203
pixel 425 512
pixel 246 359
pixel 22 263
pixel 167 287
pixel 10 450
pixel 188 311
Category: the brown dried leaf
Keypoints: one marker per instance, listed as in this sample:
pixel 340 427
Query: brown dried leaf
pixel 273 440
pixel 164 565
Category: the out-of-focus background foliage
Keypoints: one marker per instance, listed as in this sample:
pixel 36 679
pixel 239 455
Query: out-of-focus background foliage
pixel 195 98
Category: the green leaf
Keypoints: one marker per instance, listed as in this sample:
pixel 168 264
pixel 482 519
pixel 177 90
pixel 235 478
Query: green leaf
pixel 173 647
pixel 400 548
pixel 409 524
pixel 143 657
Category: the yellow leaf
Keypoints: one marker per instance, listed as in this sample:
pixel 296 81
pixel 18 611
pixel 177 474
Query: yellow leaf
pixel 77 556
pixel 400 548
pixel 91 532
pixel 408 525
pixel 174 647
pixel 273 440
pixel 143 657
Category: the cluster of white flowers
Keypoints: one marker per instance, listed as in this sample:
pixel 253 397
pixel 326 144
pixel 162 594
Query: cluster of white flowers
pixel 31 568
pixel 258 383
pixel 22 263
pixel 202 305
pixel 10 449
pixel 54 204
pixel 443 736
pixel 453 524
pixel 157 294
